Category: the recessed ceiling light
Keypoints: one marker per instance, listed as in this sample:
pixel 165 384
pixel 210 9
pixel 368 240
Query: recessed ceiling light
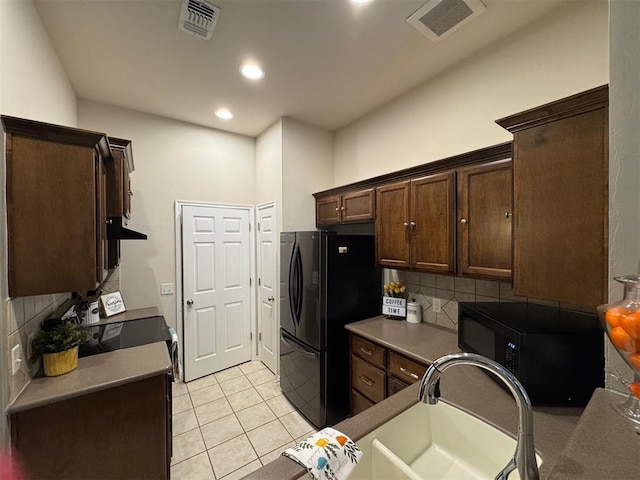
pixel 224 114
pixel 361 2
pixel 252 71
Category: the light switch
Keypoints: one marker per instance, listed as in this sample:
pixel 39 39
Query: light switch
pixel 166 289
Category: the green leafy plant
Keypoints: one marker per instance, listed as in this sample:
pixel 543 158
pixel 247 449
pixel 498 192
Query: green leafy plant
pixel 60 338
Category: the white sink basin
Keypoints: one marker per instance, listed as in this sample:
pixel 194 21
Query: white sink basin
pixel 429 442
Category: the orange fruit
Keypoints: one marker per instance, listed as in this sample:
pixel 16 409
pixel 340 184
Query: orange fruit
pixel 631 324
pixel 614 315
pixel 634 360
pixel 635 388
pixel 621 339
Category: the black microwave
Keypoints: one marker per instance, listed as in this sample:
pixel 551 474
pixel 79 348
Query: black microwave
pixel 557 355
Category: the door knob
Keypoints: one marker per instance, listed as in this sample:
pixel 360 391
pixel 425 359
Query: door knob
pixel 189 303
pixel 271 299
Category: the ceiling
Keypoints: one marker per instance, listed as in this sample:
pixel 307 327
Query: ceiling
pixel 327 62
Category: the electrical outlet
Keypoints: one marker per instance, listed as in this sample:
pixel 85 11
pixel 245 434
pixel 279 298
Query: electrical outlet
pixel 437 305
pixel 16 359
pixel 166 289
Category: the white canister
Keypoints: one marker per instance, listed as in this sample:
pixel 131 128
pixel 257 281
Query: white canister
pixel 414 311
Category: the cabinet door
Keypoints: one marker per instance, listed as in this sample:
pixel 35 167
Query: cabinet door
pixel 433 223
pixel 485 214
pixel 357 206
pixel 561 205
pixel 102 246
pixel 328 210
pixel 392 225
pixel 51 216
pixel 115 182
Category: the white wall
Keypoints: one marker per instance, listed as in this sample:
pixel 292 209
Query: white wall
pixel 456 111
pixel 32 85
pixel 306 168
pixel 269 168
pixel 173 161
pixel 624 155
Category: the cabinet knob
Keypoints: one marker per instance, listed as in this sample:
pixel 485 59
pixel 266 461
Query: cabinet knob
pixel 507 214
pixel 463 221
pixel 337 209
pixel 405 224
pixel 413 224
pixel 342 208
pixel 109 222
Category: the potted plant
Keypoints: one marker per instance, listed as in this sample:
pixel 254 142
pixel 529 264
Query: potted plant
pixel 58 346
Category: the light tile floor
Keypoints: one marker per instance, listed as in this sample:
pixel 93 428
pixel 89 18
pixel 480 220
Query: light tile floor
pixel 228 424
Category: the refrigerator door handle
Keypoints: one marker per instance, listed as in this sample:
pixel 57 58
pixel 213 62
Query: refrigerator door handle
pixel 298 349
pixel 296 284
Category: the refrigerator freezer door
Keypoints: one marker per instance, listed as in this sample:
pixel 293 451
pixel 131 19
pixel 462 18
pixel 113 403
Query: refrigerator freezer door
pixel 303 378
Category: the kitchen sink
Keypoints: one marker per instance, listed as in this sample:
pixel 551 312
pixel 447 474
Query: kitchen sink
pixel 429 442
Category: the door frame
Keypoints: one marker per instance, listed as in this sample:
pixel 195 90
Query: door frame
pixel 276 306
pixel 178 204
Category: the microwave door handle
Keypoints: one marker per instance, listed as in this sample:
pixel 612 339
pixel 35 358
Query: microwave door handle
pixel 298 349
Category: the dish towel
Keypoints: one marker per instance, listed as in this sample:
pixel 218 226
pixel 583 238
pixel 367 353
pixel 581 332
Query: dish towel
pixel 327 455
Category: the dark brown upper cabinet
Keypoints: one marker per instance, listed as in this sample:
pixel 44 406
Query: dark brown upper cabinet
pixel 119 195
pixel 392 225
pixel 560 170
pixel 56 207
pixel 349 207
pixel 485 208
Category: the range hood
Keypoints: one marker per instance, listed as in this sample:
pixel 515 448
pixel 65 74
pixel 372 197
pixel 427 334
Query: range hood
pixel 117 231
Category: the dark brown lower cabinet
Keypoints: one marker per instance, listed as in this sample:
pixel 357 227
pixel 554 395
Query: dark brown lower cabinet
pixel 122 432
pixel 378 373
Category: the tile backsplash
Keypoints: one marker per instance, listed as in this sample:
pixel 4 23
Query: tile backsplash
pixel 25 315
pixel 424 287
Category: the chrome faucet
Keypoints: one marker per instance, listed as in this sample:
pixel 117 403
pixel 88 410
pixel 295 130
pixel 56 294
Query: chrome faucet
pixel 524 458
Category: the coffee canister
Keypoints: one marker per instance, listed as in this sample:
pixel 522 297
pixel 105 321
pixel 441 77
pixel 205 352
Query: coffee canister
pixel 414 311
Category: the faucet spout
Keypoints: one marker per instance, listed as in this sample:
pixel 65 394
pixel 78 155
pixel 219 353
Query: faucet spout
pixel 524 458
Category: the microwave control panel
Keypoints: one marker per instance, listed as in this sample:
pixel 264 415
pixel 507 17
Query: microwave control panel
pixel 511 356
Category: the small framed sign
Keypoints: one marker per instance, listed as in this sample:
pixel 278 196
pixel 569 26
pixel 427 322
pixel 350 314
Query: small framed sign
pixel 394 307
pixel 112 303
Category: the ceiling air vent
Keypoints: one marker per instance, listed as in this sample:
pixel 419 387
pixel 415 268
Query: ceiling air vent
pixel 438 18
pixel 198 18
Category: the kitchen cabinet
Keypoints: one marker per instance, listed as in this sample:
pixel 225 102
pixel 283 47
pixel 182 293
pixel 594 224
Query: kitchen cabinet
pixel 485 203
pixel 349 207
pixel 415 223
pixel 118 170
pixel 56 182
pixel 378 372
pixel 560 172
pixel 118 432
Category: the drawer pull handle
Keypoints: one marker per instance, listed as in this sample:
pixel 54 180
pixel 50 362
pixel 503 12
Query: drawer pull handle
pixel 366 351
pixel 366 380
pixel 410 374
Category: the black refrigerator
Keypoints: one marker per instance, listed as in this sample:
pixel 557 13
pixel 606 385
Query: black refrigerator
pixel 326 281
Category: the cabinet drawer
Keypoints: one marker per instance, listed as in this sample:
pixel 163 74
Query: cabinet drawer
pixel 405 369
pixel 394 386
pixel 359 402
pixel 367 379
pixel 369 351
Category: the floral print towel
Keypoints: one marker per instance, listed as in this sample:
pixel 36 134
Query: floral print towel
pixel 327 455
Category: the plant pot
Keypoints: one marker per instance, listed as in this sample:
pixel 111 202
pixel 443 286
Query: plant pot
pixel 60 363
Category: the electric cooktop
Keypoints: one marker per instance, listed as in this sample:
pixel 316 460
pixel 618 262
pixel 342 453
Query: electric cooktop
pixel 131 333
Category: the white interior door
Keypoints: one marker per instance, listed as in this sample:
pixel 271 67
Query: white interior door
pixel 267 282
pixel 216 271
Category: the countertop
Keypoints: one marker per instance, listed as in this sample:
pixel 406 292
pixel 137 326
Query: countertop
pixel 95 373
pixel 565 438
